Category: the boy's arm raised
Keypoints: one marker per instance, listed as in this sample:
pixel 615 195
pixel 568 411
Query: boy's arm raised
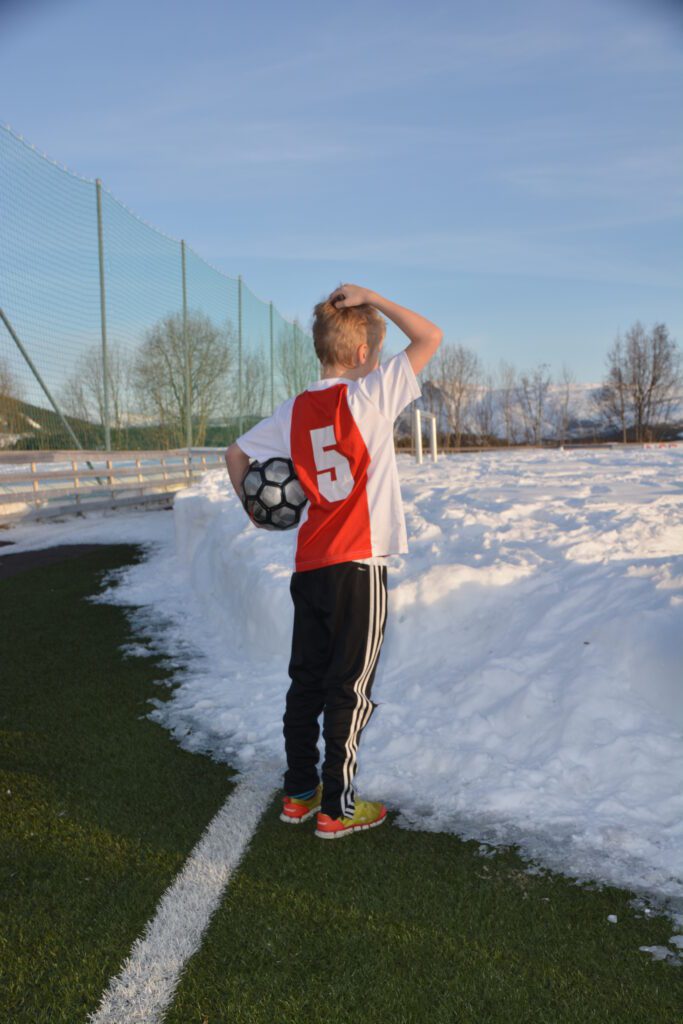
pixel 425 337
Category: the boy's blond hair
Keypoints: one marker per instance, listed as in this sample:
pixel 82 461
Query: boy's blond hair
pixel 337 333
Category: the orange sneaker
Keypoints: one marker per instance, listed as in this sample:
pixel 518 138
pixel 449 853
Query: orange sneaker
pixel 365 815
pixel 296 811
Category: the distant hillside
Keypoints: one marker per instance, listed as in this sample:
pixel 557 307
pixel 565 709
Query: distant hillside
pixel 26 427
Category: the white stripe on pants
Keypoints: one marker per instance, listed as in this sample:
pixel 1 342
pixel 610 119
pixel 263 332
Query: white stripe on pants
pixel 363 708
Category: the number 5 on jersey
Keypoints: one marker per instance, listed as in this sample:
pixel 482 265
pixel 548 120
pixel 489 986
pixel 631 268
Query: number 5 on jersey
pixel 335 480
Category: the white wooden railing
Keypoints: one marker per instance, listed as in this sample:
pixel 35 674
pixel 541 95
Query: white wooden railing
pixel 43 484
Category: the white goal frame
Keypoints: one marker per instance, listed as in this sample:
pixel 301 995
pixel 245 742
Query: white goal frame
pixel 418 415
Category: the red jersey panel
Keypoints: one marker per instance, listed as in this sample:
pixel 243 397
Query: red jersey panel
pixel 331 460
pixel 339 434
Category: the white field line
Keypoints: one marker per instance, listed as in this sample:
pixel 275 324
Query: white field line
pixel 144 988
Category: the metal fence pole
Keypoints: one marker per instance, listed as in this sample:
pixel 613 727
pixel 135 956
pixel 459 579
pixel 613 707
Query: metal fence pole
pixel 272 363
pixel 103 319
pixel 186 348
pixel 239 353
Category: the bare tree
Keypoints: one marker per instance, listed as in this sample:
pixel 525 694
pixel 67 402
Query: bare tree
pixel 74 399
pixel 255 380
pixel 456 370
pixel 611 399
pixel 532 396
pixel 642 382
pixel 484 410
pixel 562 406
pixel 118 380
pixel 507 391
pixel 11 418
pixel 432 400
pixel 296 359
pixel 159 374
pixel 653 375
pixel 82 394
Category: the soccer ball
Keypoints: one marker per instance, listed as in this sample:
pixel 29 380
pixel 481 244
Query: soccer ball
pixel 272 496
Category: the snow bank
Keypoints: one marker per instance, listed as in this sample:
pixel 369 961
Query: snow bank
pixel 529 687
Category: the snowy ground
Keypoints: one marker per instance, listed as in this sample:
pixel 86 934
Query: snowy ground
pixel 530 687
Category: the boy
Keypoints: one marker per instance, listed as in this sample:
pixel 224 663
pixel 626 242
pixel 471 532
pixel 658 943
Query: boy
pixel 339 436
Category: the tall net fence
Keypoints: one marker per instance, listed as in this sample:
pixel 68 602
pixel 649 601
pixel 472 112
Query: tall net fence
pixel 114 335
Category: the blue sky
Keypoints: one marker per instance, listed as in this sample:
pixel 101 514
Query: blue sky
pixel 511 170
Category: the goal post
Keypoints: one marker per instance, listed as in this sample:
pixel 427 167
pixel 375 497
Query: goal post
pixel 418 416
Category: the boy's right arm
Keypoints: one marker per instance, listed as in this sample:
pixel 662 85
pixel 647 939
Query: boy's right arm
pixel 263 441
pixel 425 337
pixel 238 464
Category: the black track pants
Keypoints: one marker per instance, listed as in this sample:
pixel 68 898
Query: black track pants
pixel 340 613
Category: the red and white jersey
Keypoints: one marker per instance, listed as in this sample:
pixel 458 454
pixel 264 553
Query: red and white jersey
pixel 339 434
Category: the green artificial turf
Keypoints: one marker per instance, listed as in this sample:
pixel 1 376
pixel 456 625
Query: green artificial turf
pixel 387 927
pixel 99 807
pixel 399 926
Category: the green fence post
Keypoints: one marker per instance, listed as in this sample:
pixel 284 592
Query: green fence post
pixel 103 318
pixel 239 354
pixel 272 363
pixel 188 361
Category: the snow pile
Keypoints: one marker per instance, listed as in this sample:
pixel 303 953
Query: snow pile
pixel 529 687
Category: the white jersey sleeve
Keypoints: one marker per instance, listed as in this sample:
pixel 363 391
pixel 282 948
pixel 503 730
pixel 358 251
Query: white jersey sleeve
pixel 269 437
pixel 391 387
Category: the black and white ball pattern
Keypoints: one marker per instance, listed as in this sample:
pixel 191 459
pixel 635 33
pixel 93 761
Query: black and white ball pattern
pixel 272 495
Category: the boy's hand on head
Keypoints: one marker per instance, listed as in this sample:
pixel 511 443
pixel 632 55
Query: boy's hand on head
pixel 350 295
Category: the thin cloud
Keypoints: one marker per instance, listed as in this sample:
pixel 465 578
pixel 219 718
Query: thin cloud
pixel 613 177
pixel 484 252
